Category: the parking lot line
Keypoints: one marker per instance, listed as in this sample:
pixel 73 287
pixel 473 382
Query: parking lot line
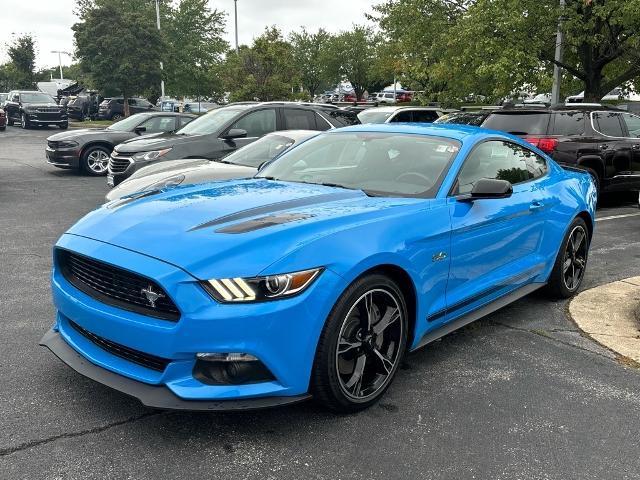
pixel 613 217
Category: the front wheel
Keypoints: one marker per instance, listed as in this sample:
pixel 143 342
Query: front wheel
pixel 95 160
pixel 571 261
pixel 361 346
pixel 25 122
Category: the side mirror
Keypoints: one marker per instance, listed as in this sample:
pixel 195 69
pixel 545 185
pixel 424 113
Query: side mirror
pixel 488 188
pixel 140 130
pixel 235 133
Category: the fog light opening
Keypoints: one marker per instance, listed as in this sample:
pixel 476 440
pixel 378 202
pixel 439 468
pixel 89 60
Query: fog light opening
pixel 230 369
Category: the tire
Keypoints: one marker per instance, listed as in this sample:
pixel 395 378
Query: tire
pixel 117 117
pixel 25 122
pixel 596 178
pixel 95 160
pixel 64 126
pixel 9 121
pixel 335 382
pixel 568 265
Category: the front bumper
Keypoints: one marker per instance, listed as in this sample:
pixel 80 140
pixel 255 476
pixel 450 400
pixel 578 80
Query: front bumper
pixel 63 158
pixel 282 334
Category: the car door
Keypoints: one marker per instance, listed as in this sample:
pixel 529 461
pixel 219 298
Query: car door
pixel 632 131
pixel 12 106
pixel 256 123
pixel 496 243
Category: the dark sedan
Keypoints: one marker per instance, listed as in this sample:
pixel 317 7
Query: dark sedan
pixel 240 164
pixel 223 130
pixel 89 149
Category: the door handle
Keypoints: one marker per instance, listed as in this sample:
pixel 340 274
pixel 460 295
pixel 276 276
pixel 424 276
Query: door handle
pixel 536 205
pixel 636 146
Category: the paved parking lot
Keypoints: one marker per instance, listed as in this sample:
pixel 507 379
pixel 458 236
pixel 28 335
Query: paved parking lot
pixel 517 395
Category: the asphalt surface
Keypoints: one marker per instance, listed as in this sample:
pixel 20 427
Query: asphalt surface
pixel 519 394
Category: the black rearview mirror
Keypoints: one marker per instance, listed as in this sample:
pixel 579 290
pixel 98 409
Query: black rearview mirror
pixel 140 130
pixel 488 188
pixel 235 133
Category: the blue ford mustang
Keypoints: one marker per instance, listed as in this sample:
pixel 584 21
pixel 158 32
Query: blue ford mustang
pixel 315 277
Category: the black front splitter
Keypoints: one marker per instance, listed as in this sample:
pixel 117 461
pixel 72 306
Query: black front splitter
pixel 152 395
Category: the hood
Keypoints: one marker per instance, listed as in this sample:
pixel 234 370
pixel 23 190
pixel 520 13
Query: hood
pixel 148 143
pixel 41 104
pixel 84 132
pixel 230 228
pixel 179 172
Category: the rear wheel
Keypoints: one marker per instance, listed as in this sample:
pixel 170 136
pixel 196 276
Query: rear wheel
pixel 361 345
pixel 95 160
pixel 571 261
pixel 25 122
pixel 116 117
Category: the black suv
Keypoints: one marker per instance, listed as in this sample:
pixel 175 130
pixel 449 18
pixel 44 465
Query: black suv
pixel 113 108
pixel 32 108
pixel 601 140
pixel 222 131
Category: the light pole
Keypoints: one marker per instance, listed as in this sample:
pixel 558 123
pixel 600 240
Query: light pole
pixel 557 71
pixel 235 9
pixel 161 65
pixel 59 52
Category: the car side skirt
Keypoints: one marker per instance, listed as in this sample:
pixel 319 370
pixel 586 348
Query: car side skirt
pixel 152 395
pixel 477 314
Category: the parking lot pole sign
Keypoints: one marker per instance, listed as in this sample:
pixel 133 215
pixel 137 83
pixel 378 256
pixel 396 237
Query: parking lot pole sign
pixel 557 71
pixel 161 65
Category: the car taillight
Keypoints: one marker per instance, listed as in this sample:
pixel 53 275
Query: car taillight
pixel 546 144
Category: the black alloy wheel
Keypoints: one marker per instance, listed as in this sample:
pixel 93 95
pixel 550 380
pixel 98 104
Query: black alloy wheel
pixel 571 261
pixel 362 344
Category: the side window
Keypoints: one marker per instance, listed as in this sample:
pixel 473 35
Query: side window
pixel 501 161
pixel 404 116
pixel 425 116
pixel 568 123
pixel 258 123
pixel 608 123
pixel 321 123
pixel 299 119
pixel 132 102
pixel 633 124
pixel 159 124
pixel 16 98
pixel 184 121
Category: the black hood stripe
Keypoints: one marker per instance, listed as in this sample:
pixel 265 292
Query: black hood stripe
pixel 280 206
pixel 263 222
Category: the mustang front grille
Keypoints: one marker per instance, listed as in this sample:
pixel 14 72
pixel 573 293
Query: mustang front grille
pixel 135 356
pixel 116 286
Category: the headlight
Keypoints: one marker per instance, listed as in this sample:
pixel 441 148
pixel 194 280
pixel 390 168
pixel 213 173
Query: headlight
pixel 67 144
pixel 155 154
pixel 260 289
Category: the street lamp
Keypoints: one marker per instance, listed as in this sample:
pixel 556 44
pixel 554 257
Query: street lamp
pixel 235 8
pixel 557 71
pixel 161 65
pixel 59 52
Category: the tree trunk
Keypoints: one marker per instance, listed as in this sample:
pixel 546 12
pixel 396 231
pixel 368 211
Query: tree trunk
pixel 593 91
pixel 125 105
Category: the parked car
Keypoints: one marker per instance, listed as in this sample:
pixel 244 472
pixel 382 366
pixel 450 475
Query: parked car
pixel 113 108
pixel 89 149
pixel 83 107
pixel 385 97
pixel 315 277
pixel 32 108
pixel 3 120
pixel 464 118
pixel 604 141
pixel 401 114
pixel 222 131
pixel 242 163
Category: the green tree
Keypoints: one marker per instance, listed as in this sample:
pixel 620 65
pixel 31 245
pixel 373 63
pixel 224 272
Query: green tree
pixel 195 46
pixel 118 44
pixel 310 59
pixel 350 55
pixel 263 71
pixel 19 72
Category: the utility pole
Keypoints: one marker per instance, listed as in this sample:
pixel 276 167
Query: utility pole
pixel 161 65
pixel 235 8
pixel 557 71
pixel 59 52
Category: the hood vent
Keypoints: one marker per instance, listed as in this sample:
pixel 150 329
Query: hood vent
pixel 264 222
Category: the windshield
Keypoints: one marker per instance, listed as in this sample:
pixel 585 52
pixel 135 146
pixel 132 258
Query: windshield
pixel 128 124
pixel 260 151
pixel 381 164
pixel 212 122
pixel 374 116
pixel 36 98
pixel 463 118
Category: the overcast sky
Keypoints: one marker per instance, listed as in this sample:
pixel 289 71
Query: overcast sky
pixel 49 21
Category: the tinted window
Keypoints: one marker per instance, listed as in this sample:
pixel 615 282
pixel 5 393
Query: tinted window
pixel 321 123
pixel 213 121
pixel 425 116
pixel 159 124
pixel 633 124
pixel 298 119
pixel 519 124
pixel 258 123
pixel 501 161
pixel 568 123
pixel 184 120
pixel 463 118
pixel 341 118
pixel 402 117
pixel 36 97
pixel 608 123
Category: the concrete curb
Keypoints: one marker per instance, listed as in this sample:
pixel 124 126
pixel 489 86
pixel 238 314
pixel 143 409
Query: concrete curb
pixel 610 315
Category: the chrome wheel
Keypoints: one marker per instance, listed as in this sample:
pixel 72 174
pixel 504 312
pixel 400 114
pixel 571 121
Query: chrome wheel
pixel 98 161
pixel 575 258
pixel 369 344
